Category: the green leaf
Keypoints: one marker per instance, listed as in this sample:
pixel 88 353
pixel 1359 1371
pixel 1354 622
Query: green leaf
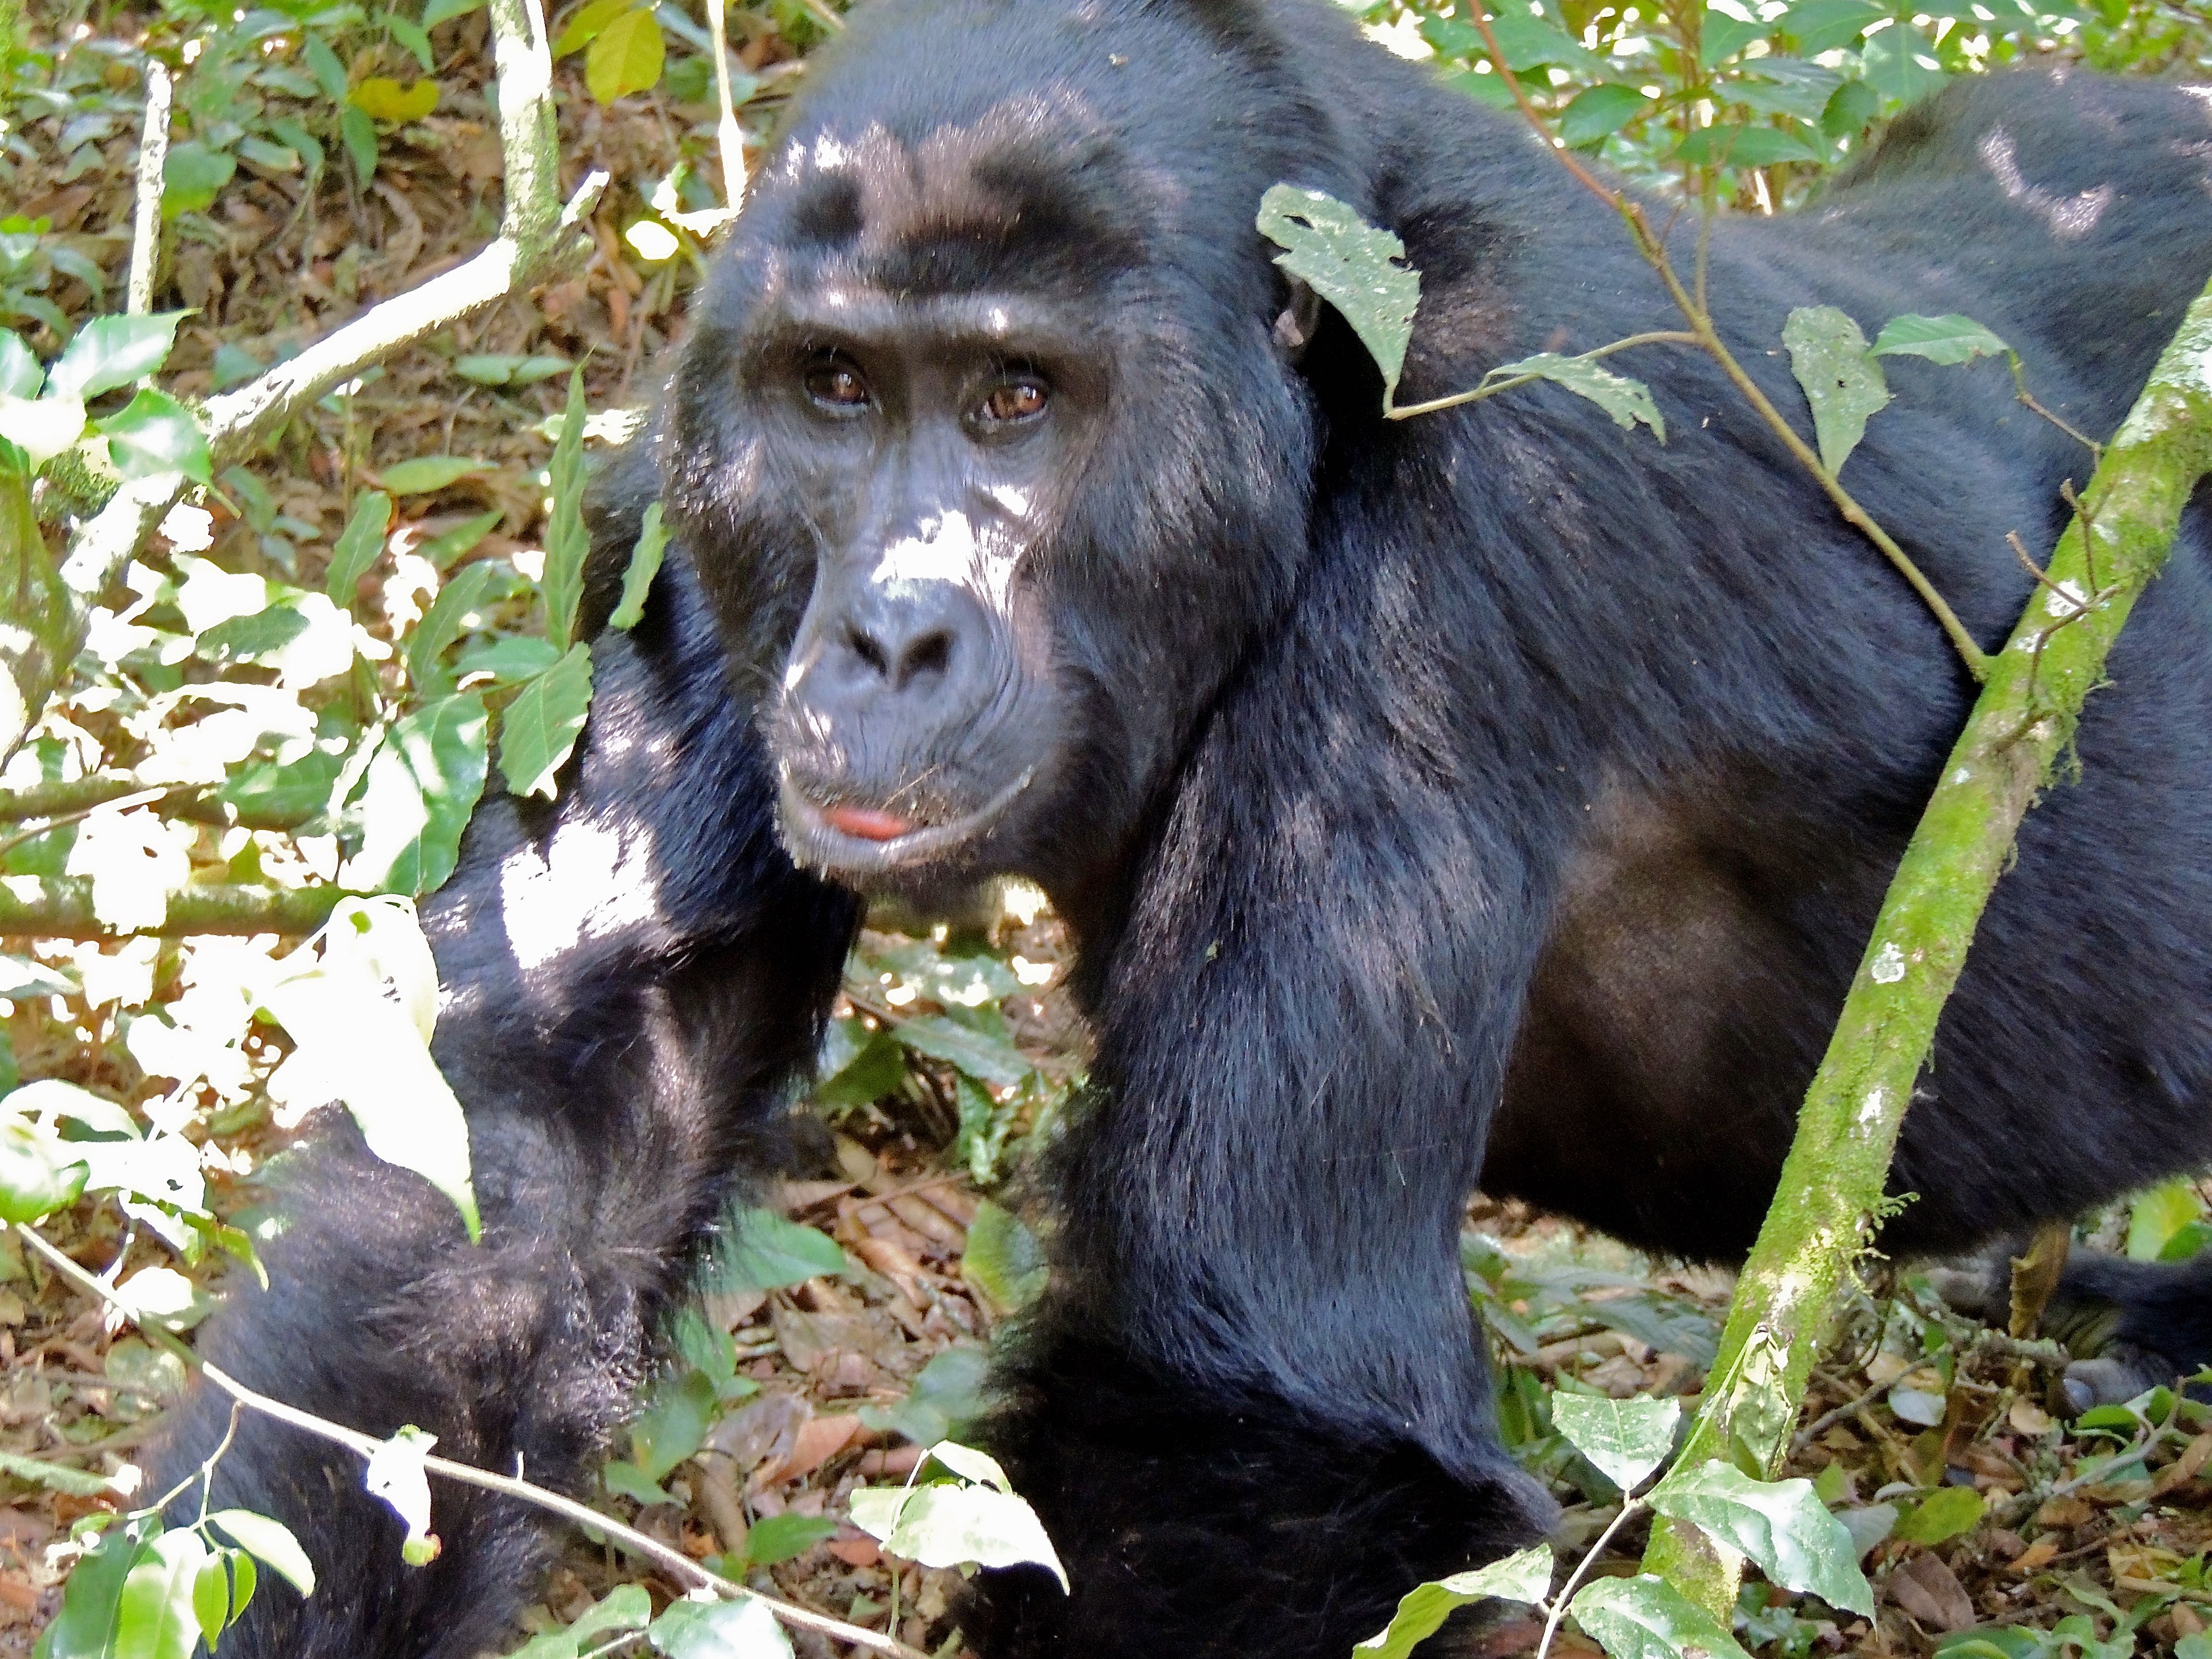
pixel 1947 339
pixel 510 368
pixel 953 1525
pixel 625 57
pixel 112 351
pixel 441 11
pixel 951 1392
pixel 192 176
pixel 211 1599
pixel 625 1607
pixel 507 658
pixel 1350 263
pixel 637 575
pixel 154 1618
pixel 383 98
pixel 243 1580
pixel 271 1541
pixel 155 434
pixel 581 28
pixel 1735 144
pixel 323 63
pixel 628 1480
pixel 994 1060
pixel 764 1252
pixel 1626 400
pixel 1600 110
pixel 2157 1215
pixel 780 1537
pixel 1820 26
pixel 412 36
pixel 1729 26
pixel 441 626
pixel 719 1629
pixel 1785 86
pixel 358 545
pixel 359 133
pixel 1780 1524
pixel 444 549
pixel 540 728
pixel 422 784
pixel 86 1627
pixel 1004 1259
pixel 1901 64
pixel 1626 1439
pixel 567 541
pixel 1647 1618
pixel 857 1065
pixel 56 1477
pixel 1422 1610
pixel 20 374
pixel 1843 386
pixel 1848 109
pixel 35 1177
pixel 674 1424
pixel 426 474
pixel 1944 1513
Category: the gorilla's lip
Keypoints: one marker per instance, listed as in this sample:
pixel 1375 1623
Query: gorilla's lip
pixel 821 843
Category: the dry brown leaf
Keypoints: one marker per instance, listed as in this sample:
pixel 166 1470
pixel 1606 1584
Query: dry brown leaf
pixel 1931 1592
pixel 2036 1557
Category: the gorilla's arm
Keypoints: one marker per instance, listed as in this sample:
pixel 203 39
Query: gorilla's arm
pixel 631 978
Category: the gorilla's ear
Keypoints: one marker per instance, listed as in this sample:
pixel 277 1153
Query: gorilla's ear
pixel 1295 322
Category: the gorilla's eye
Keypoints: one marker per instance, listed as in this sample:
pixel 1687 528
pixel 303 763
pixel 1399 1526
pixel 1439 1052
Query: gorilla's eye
pixel 835 382
pixel 1017 400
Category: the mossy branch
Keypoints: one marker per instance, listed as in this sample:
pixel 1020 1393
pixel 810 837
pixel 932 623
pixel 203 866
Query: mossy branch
pixel 1832 1185
pixel 55 906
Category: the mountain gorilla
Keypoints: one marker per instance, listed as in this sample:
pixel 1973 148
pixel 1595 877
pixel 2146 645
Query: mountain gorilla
pixel 1495 794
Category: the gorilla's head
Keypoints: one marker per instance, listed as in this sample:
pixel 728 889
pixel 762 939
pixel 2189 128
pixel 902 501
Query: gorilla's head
pixel 989 443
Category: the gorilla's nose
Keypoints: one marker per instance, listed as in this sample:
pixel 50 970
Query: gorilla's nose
pixel 907 651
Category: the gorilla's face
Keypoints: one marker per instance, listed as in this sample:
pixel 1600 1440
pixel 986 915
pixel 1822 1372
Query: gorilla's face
pixel 918 709
pixel 991 459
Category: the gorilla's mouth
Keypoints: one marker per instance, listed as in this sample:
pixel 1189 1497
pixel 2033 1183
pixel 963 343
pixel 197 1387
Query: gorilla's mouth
pixel 857 841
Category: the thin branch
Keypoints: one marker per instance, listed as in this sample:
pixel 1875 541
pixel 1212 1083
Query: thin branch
pixel 1559 1609
pixel 59 907
pixel 729 137
pixel 468 1474
pixel 2023 396
pixel 152 159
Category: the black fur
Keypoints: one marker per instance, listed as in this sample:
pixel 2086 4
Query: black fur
pixel 1495 794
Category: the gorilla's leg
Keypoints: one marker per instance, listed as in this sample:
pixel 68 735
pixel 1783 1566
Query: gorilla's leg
pixel 631 980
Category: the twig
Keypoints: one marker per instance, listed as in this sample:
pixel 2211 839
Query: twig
pixel 2022 395
pixel 1654 250
pixel 468 1474
pixel 1559 1608
pixel 1826 1421
pixel 152 159
pixel 729 137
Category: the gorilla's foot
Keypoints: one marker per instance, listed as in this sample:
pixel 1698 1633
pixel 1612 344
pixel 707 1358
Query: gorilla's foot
pixel 2131 1325
pixel 1219 1527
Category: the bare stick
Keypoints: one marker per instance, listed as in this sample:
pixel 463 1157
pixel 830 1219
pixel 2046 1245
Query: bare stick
pixel 153 159
pixel 469 1475
pixel 1559 1608
pixel 729 137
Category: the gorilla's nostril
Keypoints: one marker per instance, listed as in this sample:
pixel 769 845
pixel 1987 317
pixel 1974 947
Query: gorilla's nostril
pixel 868 649
pixel 931 654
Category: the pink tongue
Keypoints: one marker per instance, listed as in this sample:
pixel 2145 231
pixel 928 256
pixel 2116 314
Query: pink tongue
pixel 867 823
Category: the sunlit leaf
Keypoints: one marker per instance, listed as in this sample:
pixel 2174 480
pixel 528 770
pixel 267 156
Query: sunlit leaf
pixel 427 474
pixel 271 1541
pixel 1844 386
pixel 1820 26
pixel 112 351
pixel 154 1617
pixel 637 575
pixel 1780 1524
pixel 1626 1440
pixel 155 434
pixel 37 1175
pixel 439 11
pixel 440 625
pixel 422 784
pixel 1350 263
pixel 540 728
pixel 625 1607
pixel 86 1627
pixel 1601 109
pixel 395 1473
pixel 1423 1609
pixel 211 1598
pixel 1729 27
pixel 1946 339
pixel 718 1630
pixel 992 1059
pixel 567 540
pixel 383 98
pixel 1647 1618
pixel 585 23
pixel 1626 400
pixel 20 374
pixel 625 57
pixel 953 1525
pixel 58 1477
pixel 1900 63
pixel 41 428
pixel 358 545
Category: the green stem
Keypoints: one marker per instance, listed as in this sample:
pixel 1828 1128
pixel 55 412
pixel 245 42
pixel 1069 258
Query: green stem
pixel 1830 1190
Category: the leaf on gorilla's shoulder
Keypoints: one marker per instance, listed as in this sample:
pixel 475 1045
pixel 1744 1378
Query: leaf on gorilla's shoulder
pixel 1626 400
pixel 1842 382
pixel 1351 264
pixel 539 730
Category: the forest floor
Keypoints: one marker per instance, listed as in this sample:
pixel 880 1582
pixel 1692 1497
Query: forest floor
pixel 1905 1407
